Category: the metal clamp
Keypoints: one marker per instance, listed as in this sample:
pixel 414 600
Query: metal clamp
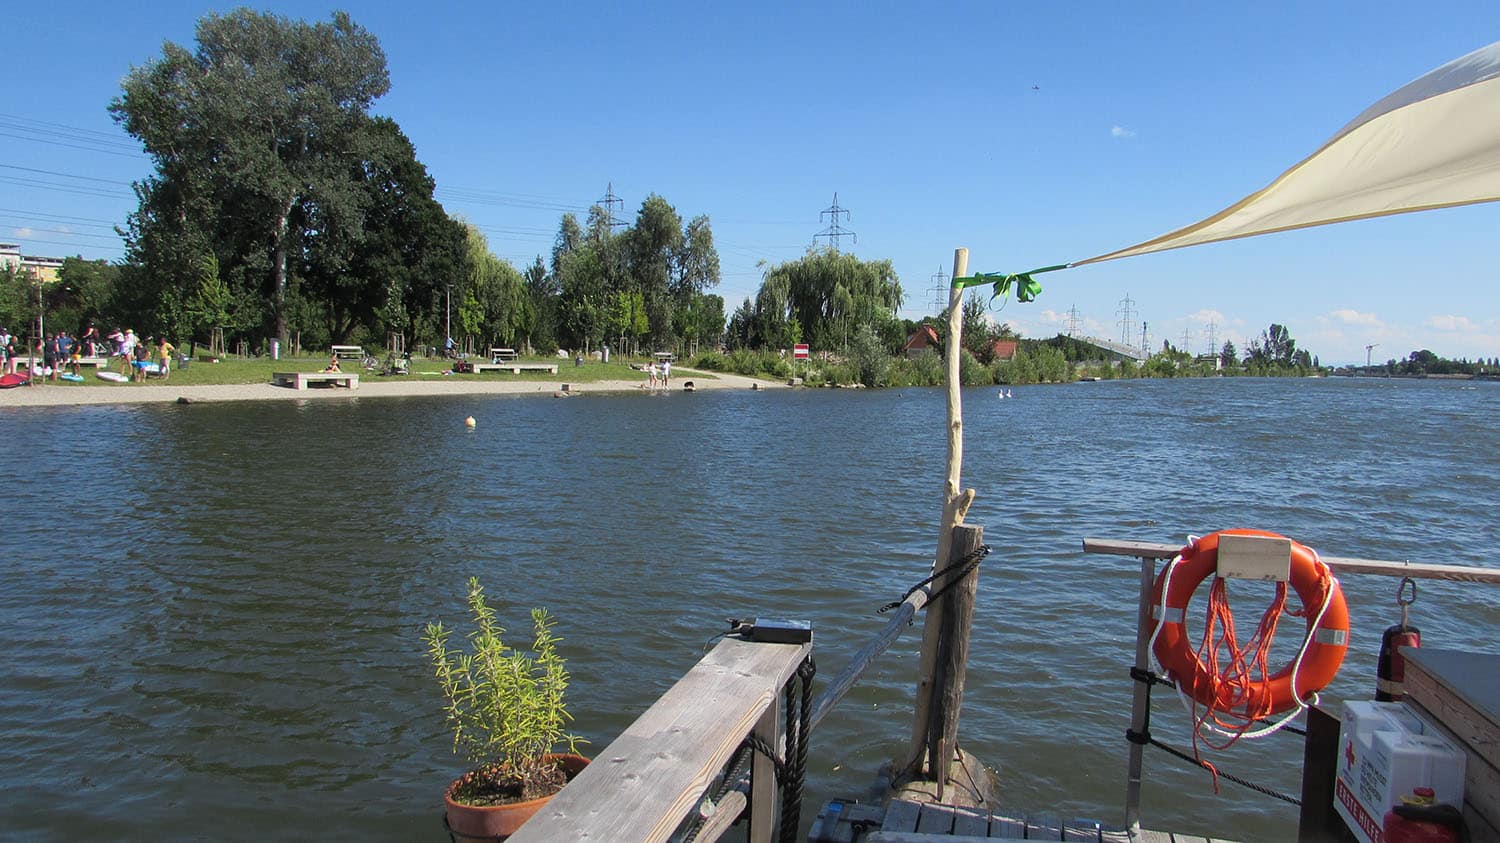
pixel 1404 601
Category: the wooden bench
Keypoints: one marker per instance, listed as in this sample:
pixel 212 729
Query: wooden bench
pixel 503 355
pixel 513 367
pixel 300 380
pixel 349 352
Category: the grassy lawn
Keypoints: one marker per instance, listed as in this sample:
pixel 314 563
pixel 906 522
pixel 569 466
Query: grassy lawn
pixel 236 370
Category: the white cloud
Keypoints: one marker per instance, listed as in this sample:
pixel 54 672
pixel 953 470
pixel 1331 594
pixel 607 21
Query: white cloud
pixel 1121 132
pixel 24 232
pixel 1052 317
pixel 1354 317
pixel 1208 315
pixel 1451 323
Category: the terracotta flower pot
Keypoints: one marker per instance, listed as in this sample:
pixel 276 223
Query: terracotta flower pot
pixel 489 822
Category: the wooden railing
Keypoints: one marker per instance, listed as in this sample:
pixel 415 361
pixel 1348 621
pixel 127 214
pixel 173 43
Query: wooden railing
pixel 655 774
pixel 1314 797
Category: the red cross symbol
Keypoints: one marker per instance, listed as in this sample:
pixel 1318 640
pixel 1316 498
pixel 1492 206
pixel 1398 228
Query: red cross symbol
pixel 1349 754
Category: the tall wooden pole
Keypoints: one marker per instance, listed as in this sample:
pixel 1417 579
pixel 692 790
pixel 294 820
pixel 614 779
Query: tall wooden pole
pixel 955 507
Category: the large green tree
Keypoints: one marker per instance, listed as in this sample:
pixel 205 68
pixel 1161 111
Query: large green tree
pixel 382 265
pixel 828 296
pixel 261 118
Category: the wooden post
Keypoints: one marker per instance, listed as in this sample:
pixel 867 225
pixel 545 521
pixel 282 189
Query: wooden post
pixel 763 808
pixel 1318 822
pixel 1140 708
pixel 955 507
pixel 953 657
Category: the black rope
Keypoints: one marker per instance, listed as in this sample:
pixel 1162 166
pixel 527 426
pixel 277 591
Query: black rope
pixel 789 772
pixel 1236 779
pixel 791 806
pixel 1143 737
pixel 966 564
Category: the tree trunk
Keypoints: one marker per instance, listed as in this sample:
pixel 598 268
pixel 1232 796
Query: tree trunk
pixel 278 270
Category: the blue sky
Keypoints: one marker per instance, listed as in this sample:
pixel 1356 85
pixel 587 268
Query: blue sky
pixel 1033 134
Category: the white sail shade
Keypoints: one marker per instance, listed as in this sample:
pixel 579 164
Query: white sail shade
pixel 1434 143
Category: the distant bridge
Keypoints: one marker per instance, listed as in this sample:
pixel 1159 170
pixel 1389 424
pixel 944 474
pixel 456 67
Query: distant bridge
pixel 1119 348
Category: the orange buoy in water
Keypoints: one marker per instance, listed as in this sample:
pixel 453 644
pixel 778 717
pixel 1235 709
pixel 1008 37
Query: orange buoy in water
pixel 469 422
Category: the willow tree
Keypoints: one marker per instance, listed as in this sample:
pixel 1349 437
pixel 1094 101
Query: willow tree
pixel 831 295
pixel 262 115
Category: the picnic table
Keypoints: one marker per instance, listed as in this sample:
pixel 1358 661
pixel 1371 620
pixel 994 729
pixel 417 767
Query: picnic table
pixel 349 352
pixel 503 355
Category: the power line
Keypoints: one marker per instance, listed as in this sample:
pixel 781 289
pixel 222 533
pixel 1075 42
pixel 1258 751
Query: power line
pixel 81 191
pixel 834 231
pixel 64 175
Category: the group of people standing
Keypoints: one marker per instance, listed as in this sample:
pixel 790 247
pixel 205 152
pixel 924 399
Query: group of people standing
pixel 657 374
pixel 56 352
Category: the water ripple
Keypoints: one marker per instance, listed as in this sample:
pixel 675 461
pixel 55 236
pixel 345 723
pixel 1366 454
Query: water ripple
pixel 218 611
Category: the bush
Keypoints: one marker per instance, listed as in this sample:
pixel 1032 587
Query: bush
pixel 869 358
pixel 971 372
pixel 712 361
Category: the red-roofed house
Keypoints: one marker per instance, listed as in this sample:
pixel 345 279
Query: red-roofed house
pixel 923 338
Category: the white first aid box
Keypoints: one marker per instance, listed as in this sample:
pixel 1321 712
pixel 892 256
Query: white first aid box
pixel 1385 753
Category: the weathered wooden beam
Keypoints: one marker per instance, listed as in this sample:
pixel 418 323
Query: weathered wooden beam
pixel 763 805
pixel 1317 821
pixel 840 685
pixel 953 656
pixel 647 780
pixel 724 816
pixel 1340 564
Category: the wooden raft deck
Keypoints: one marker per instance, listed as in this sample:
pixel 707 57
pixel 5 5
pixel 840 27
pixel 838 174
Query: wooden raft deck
pixel 902 821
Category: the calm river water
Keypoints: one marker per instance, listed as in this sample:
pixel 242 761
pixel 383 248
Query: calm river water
pixel 210 614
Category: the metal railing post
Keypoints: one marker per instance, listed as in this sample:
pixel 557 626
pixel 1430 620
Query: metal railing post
pixel 1140 706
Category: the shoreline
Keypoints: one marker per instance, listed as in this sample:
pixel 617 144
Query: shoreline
pixel 409 387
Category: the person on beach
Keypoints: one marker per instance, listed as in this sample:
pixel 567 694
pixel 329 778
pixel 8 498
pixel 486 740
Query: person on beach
pixel 651 374
pixel 142 352
pixel 164 357
pixel 666 371
pixel 128 343
pixel 51 360
pixel 333 365
pixel 75 358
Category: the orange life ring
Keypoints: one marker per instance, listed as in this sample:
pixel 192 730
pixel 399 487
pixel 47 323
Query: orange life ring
pixel 1310 578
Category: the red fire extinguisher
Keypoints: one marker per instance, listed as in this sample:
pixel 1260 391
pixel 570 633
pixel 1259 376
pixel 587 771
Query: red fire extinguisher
pixel 1418 820
pixel 1390 671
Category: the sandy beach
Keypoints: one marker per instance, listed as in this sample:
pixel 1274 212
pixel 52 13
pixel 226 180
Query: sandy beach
pixel 52 395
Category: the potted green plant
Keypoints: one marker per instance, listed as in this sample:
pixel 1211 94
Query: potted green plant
pixel 505 706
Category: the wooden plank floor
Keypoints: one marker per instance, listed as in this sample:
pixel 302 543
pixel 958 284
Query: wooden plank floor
pixel 903 821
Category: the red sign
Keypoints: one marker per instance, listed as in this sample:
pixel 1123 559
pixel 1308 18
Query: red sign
pixel 799 351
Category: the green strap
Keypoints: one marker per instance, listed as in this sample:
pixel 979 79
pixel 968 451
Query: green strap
pixel 1027 288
